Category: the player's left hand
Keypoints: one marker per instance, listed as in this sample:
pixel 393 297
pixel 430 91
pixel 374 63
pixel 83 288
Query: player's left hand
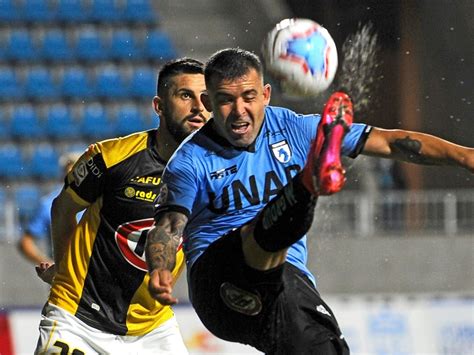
pixel 46 271
pixel 161 288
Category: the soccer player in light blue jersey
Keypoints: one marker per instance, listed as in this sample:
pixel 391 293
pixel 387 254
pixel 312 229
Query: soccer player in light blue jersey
pixel 241 192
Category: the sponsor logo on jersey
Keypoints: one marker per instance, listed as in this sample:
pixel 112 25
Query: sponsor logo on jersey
pixel 143 195
pixel 281 150
pixel 323 310
pixel 243 193
pixel 239 300
pixel 147 180
pixel 219 174
pixel 131 238
pixel 84 168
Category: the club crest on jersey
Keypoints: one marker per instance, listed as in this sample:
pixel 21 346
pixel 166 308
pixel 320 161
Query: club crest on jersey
pixel 239 300
pixel 131 238
pixel 282 151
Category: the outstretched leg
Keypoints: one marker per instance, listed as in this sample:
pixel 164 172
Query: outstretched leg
pixel 289 215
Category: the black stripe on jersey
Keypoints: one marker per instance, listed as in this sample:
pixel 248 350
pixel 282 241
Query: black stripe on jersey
pixel 109 287
pixel 361 142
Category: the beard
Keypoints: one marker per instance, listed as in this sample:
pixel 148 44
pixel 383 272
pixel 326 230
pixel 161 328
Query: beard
pixel 178 129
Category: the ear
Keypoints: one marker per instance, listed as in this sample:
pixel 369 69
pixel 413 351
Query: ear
pixel 206 101
pixel 158 105
pixel 267 93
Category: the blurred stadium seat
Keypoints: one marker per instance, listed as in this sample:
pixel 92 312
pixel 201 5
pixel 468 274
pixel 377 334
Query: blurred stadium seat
pixel 9 11
pixel 55 46
pixel 14 165
pixel 89 45
pixel 143 82
pixel 110 84
pixel 129 119
pixel 44 162
pixel 140 11
pixel 75 83
pixel 36 11
pixel 60 123
pixel 106 11
pixel 95 123
pixel 123 46
pixel 19 46
pixel 71 11
pixel 25 123
pixel 10 85
pixel 39 84
pixel 27 199
pixel 158 46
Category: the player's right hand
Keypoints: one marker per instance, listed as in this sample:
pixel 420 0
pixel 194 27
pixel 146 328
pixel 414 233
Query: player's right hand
pixel 46 271
pixel 160 287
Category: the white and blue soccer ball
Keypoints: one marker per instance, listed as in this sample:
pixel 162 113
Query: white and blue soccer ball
pixel 301 55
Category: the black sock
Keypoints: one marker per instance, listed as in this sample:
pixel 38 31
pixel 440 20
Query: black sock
pixel 286 218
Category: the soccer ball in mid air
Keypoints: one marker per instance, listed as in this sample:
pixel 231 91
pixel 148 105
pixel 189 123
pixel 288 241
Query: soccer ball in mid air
pixel 301 55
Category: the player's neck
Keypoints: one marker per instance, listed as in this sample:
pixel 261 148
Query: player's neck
pixel 165 144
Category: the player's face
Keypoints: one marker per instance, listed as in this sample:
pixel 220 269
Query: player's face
pixel 239 107
pixel 181 108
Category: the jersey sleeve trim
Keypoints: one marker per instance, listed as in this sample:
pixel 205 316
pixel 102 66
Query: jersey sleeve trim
pixel 76 197
pixel 171 208
pixel 361 143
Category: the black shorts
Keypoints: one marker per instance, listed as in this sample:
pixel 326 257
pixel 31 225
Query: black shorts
pixel 278 311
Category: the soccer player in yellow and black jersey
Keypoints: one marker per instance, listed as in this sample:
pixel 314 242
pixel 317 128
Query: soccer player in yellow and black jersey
pixel 99 302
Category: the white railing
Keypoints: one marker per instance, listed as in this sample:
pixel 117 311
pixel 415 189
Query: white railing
pixel 427 212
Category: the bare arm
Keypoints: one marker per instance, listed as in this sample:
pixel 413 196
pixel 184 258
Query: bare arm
pixel 160 251
pixel 418 148
pixel 28 247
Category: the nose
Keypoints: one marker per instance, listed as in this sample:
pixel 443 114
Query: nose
pixel 239 107
pixel 197 105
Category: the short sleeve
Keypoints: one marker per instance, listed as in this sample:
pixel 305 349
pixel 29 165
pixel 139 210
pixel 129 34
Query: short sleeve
pixel 179 185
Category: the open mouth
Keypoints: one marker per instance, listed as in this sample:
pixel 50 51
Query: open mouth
pixel 240 128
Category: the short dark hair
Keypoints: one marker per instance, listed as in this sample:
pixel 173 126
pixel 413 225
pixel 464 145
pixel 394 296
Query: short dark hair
pixel 175 67
pixel 231 63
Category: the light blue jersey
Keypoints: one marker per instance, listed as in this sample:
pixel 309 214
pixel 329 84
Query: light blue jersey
pixel 221 187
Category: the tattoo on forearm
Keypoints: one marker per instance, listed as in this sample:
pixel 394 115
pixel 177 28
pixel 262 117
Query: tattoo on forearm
pixel 163 241
pixel 410 150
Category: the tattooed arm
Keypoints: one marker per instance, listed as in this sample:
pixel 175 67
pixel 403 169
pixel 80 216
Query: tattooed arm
pixel 160 251
pixel 418 148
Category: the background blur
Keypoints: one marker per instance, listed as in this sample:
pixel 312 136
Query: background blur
pixel 393 252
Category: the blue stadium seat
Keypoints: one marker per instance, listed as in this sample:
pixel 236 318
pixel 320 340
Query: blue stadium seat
pixel 27 198
pixel 106 11
pixel 143 82
pixel 110 84
pixel 71 11
pixel 35 11
pixel 9 11
pixel 95 122
pixel 129 119
pixel 13 165
pixel 158 46
pixel 25 123
pixel 140 11
pixel 90 47
pixel 55 46
pixel 39 84
pixel 19 46
pixel 44 162
pixel 123 46
pixel 75 83
pixel 10 85
pixel 60 123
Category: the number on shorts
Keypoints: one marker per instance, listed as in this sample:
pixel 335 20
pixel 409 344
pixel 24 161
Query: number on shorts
pixel 65 349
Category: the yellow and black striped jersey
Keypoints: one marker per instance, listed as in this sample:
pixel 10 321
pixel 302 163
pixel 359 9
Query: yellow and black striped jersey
pixel 103 278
